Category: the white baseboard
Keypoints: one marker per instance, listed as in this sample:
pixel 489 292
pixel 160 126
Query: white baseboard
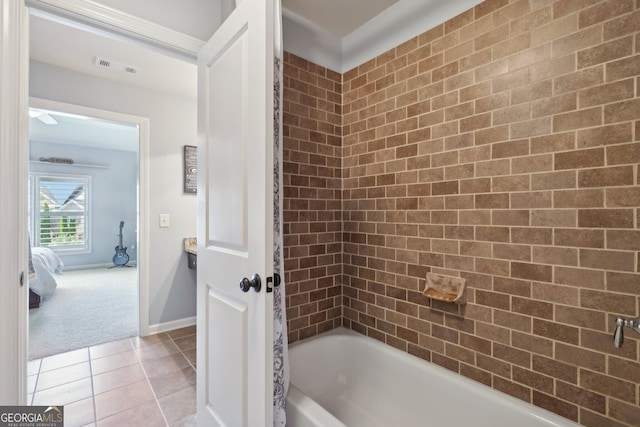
pixel 90 266
pixel 170 326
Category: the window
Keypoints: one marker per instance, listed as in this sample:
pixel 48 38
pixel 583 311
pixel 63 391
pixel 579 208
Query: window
pixel 59 211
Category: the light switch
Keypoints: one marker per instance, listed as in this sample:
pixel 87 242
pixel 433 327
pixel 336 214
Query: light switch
pixel 164 220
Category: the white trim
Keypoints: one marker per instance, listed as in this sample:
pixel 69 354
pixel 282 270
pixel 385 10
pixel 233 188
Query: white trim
pixel 91 266
pixel 307 40
pixel 170 326
pixel 144 182
pixel 394 26
pixel 14 86
pixel 104 17
pixel 143 195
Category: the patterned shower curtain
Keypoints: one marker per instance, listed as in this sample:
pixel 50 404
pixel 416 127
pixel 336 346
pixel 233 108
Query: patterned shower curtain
pixel 280 343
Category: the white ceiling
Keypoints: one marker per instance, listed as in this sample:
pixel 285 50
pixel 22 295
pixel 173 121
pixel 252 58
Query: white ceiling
pixel 350 25
pixel 85 131
pixel 74 46
pixel 338 17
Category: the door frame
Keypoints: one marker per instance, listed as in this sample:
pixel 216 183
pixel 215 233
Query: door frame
pixel 122 24
pixel 142 197
pixel 14 105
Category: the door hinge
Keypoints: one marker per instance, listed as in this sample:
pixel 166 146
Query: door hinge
pixel 275 279
pixel 22 279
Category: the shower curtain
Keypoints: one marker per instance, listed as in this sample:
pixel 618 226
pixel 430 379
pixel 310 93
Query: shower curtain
pixel 280 343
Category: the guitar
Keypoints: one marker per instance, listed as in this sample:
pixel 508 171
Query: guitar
pixel 121 257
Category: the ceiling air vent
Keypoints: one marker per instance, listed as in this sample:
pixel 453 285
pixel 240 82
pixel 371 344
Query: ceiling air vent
pixel 104 63
pixel 116 66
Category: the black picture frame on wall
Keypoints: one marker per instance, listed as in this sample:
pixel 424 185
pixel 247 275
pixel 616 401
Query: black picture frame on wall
pixel 190 169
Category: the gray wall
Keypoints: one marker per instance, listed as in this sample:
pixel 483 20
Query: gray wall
pixel 113 196
pixel 172 287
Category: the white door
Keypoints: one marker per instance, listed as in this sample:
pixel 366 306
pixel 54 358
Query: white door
pixel 235 227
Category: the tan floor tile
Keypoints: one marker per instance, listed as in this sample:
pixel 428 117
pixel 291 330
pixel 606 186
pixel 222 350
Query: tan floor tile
pixel 164 365
pixel 79 413
pixel 138 342
pixel 64 359
pixel 186 343
pixel 115 361
pixel 182 332
pixel 173 381
pixel 110 348
pixel 180 405
pixel 147 415
pixel 31 383
pixel 191 421
pixel 33 366
pixel 191 356
pixel 117 378
pixel 128 376
pixel 123 398
pixel 56 377
pixel 155 351
pixel 64 394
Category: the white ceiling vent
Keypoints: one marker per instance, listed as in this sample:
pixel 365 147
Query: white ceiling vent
pixel 116 66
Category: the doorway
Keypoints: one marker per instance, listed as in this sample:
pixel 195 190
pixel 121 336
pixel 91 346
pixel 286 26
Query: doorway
pixel 93 74
pixel 83 185
pixel 174 126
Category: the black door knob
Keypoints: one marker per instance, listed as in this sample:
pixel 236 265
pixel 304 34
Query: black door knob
pixel 254 282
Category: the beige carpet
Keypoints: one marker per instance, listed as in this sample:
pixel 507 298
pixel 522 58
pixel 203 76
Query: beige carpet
pixel 89 307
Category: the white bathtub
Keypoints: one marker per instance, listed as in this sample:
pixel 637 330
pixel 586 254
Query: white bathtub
pixel 342 378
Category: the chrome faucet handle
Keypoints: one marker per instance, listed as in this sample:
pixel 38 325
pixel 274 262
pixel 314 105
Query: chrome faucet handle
pixel 618 334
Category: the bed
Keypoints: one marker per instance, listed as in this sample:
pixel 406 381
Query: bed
pixel 45 263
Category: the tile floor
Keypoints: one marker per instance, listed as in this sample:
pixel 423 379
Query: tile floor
pixel 137 381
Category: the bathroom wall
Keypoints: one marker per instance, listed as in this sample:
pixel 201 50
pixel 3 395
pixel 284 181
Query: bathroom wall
pixel 172 290
pixel 501 146
pixel 312 150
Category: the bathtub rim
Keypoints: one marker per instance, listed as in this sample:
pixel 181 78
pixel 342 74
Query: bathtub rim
pixel 314 414
pixel 553 419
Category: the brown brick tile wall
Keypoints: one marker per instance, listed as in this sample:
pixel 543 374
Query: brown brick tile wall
pixel 503 147
pixel 312 145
